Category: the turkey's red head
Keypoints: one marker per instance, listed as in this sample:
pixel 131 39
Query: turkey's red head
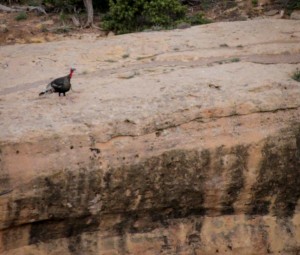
pixel 71 72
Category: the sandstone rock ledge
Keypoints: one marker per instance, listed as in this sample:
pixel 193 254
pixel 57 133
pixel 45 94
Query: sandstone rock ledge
pixel 176 142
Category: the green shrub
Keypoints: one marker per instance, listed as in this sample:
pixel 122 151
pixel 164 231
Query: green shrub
pixel 66 5
pixel 197 19
pixel 296 75
pixel 63 17
pixel 127 15
pixel 62 30
pixel 21 16
pixel 34 2
pixel 163 12
pixel 254 2
pixel 293 4
pixel 235 60
pixel 288 5
pixel 101 5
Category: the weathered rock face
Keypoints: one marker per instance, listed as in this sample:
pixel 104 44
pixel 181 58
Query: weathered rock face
pixel 197 151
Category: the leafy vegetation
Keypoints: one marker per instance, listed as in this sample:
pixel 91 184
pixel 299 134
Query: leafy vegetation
pixel 34 2
pixel 21 16
pixel 62 30
pixel 221 4
pixel 197 19
pixel 288 5
pixel 293 4
pixel 163 12
pixel 254 2
pixel 296 75
pixel 126 15
pixel 233 60
pixel 63 17
pixel 62 5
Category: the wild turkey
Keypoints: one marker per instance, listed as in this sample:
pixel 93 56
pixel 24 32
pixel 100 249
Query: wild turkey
pixel 60 85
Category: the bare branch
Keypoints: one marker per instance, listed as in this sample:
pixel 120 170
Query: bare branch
pixel 75 21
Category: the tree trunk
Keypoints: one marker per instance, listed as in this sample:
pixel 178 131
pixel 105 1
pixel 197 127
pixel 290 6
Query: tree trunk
pixel 90 12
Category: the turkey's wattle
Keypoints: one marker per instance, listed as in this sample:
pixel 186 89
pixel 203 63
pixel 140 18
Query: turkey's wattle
pixel 60 85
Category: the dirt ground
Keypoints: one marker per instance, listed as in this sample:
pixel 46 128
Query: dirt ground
pixel 38 29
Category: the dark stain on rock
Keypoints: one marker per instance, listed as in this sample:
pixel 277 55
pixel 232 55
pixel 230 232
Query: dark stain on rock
pixel 193 239
pixel 171 184
pixel 278 177
pixel 198 225
pixel 96 150
pixel 107 179
pixel 5 184
pixel 75 246
pixel 172 180
pixel 58 207
pixel 65 194
pixel 43 231
pixel 158 189
pixel 4 192
pixel 122 228
pixel 11 239
pixel 260 208
pixel 154 191
pixel 166 245
pixel 126 223
pixel 237 178
pixel 158 133
pixel 13 213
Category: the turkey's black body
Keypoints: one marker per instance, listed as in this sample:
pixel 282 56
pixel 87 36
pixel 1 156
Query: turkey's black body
pixel 60 85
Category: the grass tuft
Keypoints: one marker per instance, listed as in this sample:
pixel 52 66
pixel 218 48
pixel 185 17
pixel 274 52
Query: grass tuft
pixel 21 16
pixel 254 2
pixel 296 75
pixel 235 60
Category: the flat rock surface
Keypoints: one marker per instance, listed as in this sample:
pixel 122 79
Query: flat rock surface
pixel 221 68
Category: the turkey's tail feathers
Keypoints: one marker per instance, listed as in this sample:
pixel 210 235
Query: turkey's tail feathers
pixel 47 91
